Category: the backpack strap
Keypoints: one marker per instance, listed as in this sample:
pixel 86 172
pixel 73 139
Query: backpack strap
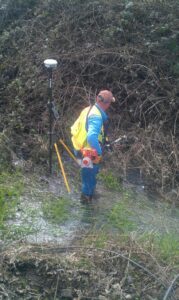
pixel 86 124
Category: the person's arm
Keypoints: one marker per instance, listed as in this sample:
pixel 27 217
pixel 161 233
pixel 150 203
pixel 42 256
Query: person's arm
pixel 94 129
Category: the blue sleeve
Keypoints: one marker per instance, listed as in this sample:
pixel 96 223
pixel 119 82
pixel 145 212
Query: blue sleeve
pixel 94 129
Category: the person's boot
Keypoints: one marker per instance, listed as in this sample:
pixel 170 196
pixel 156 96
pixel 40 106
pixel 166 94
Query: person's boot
pixel 85 198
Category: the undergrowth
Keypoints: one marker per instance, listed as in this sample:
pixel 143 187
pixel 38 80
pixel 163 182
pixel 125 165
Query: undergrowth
pixel 165 247
pixel 119 217
pixel 56 209
pixel 11 187
pixel 110 180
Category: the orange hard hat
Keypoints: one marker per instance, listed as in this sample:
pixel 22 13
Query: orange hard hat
pixel 105 96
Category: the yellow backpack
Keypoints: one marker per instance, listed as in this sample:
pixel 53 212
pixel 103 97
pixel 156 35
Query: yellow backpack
pixel 78 129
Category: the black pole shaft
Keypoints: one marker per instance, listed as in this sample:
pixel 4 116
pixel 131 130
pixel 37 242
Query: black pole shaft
pixel 50 120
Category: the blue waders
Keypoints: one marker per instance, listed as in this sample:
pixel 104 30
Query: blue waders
pixel 88 176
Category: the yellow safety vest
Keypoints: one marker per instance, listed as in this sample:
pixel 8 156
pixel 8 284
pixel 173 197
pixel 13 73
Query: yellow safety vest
pixel 78 129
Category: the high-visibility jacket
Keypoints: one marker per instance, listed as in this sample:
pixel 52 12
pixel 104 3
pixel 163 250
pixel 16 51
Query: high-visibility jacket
pixel 79 129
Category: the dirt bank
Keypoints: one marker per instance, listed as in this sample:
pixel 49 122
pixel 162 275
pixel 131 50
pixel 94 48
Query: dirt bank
pixel 47 272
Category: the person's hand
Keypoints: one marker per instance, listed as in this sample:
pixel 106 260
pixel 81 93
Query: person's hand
pixel 108 147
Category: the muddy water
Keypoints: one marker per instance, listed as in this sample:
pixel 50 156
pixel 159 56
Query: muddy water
pixel 30 224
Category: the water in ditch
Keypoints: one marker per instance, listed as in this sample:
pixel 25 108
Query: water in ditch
pixel 29 223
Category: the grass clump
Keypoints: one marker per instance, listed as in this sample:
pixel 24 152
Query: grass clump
pixel 56 209
pixel 11 187
pixel 101 240
pixel 110 181
pixel 97 237
pixel 165 246
pixel 168 246
pixel 119 217
pixel 15 232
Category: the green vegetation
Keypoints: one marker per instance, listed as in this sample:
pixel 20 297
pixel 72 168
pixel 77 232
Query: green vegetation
pixel 168 246
pixel 175 69
pixel 15 232
pixel 164 246
pixel 11 187
pixel 172 45
pixel 56 209
pixel 98 237
pixel 15 9
pixel 118 220
pixel 119 217
pixel 110 181
pixel 101 239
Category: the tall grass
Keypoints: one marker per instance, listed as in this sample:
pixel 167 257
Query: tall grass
pixel 11 187
pixel 110 181
pixel 56 209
